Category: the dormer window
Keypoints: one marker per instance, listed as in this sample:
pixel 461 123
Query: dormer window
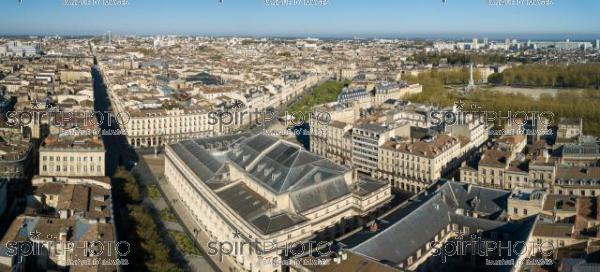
pixel 275 176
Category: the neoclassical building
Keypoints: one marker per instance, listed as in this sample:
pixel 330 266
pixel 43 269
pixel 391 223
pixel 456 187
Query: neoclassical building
pixel 149 128
pixel 72 156
pixel 412 166
pixel 269 192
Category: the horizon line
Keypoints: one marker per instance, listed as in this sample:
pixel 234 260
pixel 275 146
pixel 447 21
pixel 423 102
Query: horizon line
pixel 405 36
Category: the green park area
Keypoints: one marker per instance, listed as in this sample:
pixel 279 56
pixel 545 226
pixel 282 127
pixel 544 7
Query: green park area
pixel 571 104
pixel 324 93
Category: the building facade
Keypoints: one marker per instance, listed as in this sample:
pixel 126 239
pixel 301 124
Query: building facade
pixel 269 191
pixel 72 157
pixel 412 166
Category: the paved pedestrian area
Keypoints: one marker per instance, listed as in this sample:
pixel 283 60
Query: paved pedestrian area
pixel 155 165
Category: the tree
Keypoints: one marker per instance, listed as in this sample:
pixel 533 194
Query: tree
pixel 495 78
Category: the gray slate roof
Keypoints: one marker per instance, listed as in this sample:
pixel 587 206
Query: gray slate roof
pixel 403 233
pixel 281 166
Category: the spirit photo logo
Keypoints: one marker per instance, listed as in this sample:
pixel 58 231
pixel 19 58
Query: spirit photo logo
pixel 476 114
pixel 240 248
pixel 61 118
pixel 476 246
pixel 108 249
pixel 262 118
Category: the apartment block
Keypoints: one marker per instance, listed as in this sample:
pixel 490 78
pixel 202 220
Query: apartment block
pixel 70 156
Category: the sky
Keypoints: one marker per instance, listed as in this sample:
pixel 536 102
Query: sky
pixel 575 19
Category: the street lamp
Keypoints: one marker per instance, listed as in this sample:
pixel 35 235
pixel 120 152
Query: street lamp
pixel 195 236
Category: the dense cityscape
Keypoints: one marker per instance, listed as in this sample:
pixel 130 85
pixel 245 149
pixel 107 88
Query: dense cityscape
pixel 130 152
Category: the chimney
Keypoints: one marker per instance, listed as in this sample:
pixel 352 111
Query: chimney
pixel 63 235
pixel 317 177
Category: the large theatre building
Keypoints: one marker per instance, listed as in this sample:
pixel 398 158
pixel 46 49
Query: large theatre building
pixel 259 189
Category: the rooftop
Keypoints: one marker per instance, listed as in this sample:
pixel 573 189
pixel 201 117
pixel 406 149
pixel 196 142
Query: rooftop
pixel 279 166
pixel 72 142
pixel 432 211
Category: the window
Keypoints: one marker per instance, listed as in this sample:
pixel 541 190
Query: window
pixel 524 211
pixel 516 211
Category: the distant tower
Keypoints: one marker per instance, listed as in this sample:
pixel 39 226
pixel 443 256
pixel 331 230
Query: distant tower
pixel 597 44
pixel 471 85
pixel 109 37
pixel 475 44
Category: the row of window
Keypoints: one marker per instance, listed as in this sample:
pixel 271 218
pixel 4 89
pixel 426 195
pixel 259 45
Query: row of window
pixel 516 211
pixel 578 193
pixel 72 158
pixel 73 169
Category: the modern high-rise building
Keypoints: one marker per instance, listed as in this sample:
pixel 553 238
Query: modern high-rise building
pixel 367 138
pixel 109 37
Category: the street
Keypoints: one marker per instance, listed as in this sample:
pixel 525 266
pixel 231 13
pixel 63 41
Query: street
pixel 118 150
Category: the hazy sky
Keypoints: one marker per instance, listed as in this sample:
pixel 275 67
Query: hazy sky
pixel 374 18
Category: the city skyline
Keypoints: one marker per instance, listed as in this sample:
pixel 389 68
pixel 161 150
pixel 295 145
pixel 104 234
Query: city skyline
pixel 248 150
pixel 403 19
